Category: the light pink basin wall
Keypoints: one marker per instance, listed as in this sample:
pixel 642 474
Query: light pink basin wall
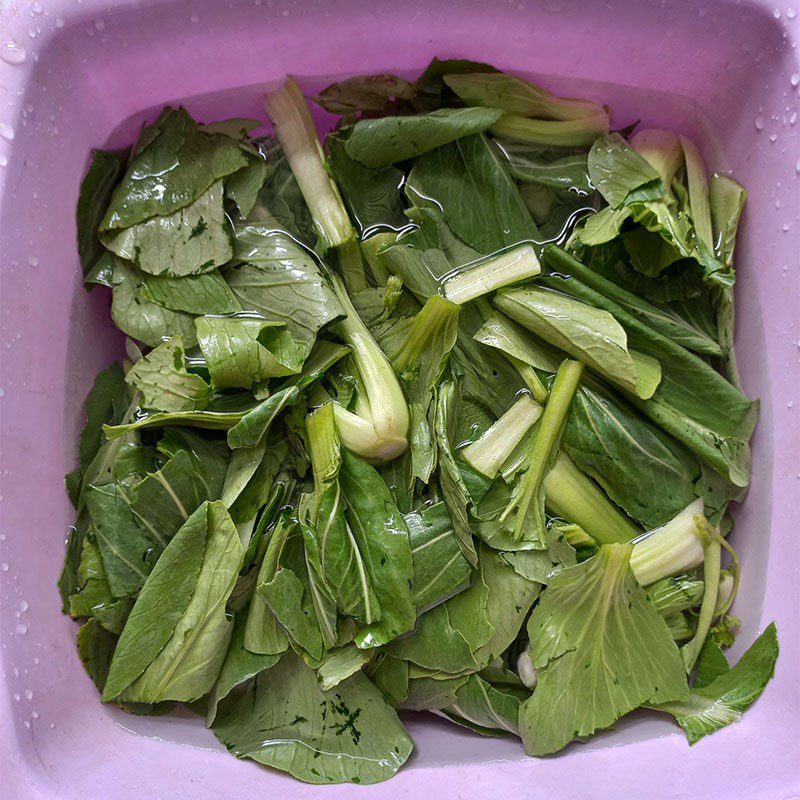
pixel 720 71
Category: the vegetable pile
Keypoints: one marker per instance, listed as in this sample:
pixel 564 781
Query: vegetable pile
pixel 442 416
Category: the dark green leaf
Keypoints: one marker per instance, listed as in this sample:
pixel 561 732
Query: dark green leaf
pixel 252 427
pixel 104 171
pixel 440 569
pixel 378 142
pixel 616 170
pixel 641 469
pixel 278 279
pixel 383 541
pixel 239 666
pixel 373 196
pixel 191 240
pixel 175 639
pixel 479 201
pixel 369 93
pixel 173 164
pixel 347 734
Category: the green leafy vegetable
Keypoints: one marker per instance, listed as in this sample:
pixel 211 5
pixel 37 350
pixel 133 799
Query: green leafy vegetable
pixel 240 351
pixel 437 412
pixel 723 700
pixel 371 93
pixel 477 199
pixel 175 639
pixel 347 734
pixel 378 142
pixel 295 130
pixel 600 647
pixel 173 164
pixel 164 382
pixel 97 186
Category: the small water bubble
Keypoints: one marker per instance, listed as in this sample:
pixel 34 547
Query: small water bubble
pixel 194 18
pixel 59 22
pixel 785 227
pixel 777 203
pixel 52 724
pixel 3 161
pixel 35 714
pixel 23 606
pixel 17 696
pixel 13 53
pixel 36 660
pixel 100 24
pixel 15 671
pixel 795 79
pixel 791 13
pixel 793 118
pixel 7 132
pixel 285 12
pixel 29 694
pixel 33 261
pixel 20 629
pixel 773 137
pixel 32 32
pixel 4 567
pixel 776 13
pixel 27 723
pixel 789 404
pixel 759 123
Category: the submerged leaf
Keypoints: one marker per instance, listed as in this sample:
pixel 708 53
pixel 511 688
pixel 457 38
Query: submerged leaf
pixel 378 142
pixel 600 650
pixel 287 722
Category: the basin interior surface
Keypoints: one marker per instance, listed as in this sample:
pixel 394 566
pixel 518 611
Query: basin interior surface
pixel 723 73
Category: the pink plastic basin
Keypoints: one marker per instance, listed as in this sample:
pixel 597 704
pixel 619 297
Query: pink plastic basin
pixel 726 73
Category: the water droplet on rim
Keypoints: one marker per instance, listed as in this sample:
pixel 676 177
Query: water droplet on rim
pixel 29 694
pixel 13 53
pixel 20 629
pixel 759 123
pixel 33 261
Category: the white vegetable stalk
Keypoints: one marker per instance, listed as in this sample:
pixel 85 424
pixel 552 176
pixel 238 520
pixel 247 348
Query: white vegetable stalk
pixel 498 90
pixel 488 453
pixel 663 151
pixel 289 114
pixel 697 184
pixel 712 551
pixel 570 133
pixel 472 282
pixel 571 495
pixel 379 429
pixel 725 592
pixel 675 547
pixel 526 670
